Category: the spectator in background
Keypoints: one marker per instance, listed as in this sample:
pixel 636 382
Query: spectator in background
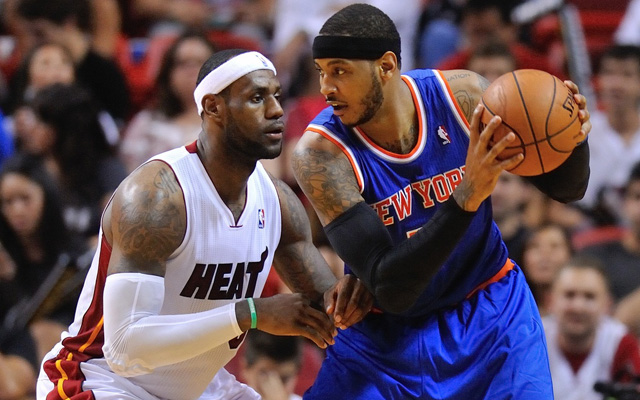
pixel 490 21
pixel 69 136
pixel 271 365
pixel 546 250
pixel 508 200
pixel 622 257
pixel 66 22
pixel 45 64
pixel 172 120
pixel 492 60
pixel 18 363
pixel 615 142
pixel 585 345
pixel 34 235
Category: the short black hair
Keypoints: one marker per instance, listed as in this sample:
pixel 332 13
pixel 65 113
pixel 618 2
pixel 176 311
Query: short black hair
pixel 279 349
pixel 57 11
pixel 361 20
pixel 621 52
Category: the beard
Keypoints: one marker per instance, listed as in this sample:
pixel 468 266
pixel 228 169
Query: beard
pixel 242 144
pixel 372 101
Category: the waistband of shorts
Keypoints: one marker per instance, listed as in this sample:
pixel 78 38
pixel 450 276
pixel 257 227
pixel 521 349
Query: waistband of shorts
pixel 508 266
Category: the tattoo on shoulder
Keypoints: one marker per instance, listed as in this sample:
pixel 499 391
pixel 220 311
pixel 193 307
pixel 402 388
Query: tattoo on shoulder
pixel 462 75
pixel 165 180
pixel 465 100
pixel 152 225
pixel 328 181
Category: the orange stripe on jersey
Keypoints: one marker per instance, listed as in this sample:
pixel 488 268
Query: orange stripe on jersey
pixel 508 266
pixel 93 336
pixel 344 150
pixel 64 377
pixel 453 99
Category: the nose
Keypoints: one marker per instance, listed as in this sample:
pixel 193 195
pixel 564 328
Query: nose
pixel 326 86
pixel 274 110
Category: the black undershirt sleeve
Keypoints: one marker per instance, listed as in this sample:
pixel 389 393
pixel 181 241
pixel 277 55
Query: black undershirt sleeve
pixel 569 181
pixel 396 275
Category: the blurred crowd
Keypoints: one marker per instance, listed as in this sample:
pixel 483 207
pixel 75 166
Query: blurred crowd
pixel 90 89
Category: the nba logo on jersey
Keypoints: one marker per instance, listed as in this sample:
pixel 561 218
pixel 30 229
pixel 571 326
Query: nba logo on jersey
pixel 443 135
pixel 261 218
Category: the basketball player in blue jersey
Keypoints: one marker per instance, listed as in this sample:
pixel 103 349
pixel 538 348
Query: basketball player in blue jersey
pixel 401 182
pixel 186 244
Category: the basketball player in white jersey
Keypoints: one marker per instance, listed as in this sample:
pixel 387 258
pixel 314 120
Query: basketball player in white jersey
pixel 186 244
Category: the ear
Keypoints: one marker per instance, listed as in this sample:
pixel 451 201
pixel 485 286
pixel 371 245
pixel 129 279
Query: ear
pixel 212 106
pixel 388 65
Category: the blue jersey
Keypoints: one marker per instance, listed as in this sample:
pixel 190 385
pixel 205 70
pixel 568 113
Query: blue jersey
pixel 407 189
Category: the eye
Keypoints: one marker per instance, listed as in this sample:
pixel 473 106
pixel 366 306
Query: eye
pixel 257 98
pixel 338 71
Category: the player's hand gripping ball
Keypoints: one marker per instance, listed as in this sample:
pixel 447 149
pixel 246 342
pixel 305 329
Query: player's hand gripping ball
pixel 539 108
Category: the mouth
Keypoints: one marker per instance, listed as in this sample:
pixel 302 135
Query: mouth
pixel 275 131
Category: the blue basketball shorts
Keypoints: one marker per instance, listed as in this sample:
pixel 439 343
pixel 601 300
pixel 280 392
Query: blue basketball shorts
pixel 490 346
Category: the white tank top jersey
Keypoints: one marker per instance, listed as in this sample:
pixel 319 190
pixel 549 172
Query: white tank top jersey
pixel 220 261
pixel 596 367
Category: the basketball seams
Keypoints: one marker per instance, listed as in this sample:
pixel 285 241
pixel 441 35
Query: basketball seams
pixel 522 146
pixel 526 111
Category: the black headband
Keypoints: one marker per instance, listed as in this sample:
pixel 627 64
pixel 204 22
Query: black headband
pixel 354 48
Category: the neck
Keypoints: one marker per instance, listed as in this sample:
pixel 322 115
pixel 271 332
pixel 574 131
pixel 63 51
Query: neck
pixel 228 172
pixel 395 125
pixel 33 250
pixel 576 345
pixel 625 121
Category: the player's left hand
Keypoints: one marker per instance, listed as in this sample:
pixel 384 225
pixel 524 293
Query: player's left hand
pixel 583 113
pixel 347 301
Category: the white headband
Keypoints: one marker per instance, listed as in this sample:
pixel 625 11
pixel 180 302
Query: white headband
pixel 228 72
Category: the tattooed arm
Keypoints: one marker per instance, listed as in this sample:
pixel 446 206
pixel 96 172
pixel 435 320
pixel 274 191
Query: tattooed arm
pixel 396 273
pixel 467 88
pixel 304 270
pixel 146 221
pixel 298 262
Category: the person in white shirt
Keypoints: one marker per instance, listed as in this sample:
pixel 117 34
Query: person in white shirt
pixel 585 345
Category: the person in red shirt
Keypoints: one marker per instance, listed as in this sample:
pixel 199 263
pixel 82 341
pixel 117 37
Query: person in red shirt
pixel 585 345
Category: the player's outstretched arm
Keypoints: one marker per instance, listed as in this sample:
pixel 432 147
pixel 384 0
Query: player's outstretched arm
pixel 304 270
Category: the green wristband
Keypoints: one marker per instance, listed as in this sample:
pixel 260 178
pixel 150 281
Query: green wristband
pixel 254 316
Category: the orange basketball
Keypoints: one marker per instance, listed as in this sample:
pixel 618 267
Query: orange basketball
pixel 539 108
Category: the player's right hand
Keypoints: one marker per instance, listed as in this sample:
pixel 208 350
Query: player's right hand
pixel 482 166
pixel 293 315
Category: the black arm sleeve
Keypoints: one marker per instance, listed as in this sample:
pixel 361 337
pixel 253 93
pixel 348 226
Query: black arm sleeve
pixel 396 275
pixel 569 181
